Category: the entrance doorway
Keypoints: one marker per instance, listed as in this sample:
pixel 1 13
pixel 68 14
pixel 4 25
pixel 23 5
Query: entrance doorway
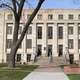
pixel 39 50
pixel 49 49
pixel 60 50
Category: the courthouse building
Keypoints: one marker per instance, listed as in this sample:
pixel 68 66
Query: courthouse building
pixel 54 29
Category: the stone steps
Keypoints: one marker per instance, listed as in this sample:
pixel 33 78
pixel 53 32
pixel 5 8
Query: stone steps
pixel 45 60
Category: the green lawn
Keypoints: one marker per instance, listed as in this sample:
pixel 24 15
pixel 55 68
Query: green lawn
pixel 74 76
pixel 15 74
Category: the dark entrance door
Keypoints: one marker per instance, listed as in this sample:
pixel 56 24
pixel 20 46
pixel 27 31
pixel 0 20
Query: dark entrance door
pixel 49 49
pixel 60 50
pixel 39 50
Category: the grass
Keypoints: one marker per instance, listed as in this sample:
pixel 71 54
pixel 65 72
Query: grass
pixel 74 76
pixel 15 74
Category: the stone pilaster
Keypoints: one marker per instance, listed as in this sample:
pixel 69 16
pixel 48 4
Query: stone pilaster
pixel 65 38
pixel 76 54
pixel 55 40
pixel 44 38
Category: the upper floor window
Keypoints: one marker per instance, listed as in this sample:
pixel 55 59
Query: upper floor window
pixel 70 30
pixel 50 17
pixel 9 28
pixel 29 31
pixel 8 43
pixel 78 29
pixel 79 16
pixel 39 32
pixel 79 44
pixel 71 16
pixel 50 32
pixel 70 43
pixel 28 43
pixel 60 16
pixel 10 16
pixel 39 16
pixel 60 32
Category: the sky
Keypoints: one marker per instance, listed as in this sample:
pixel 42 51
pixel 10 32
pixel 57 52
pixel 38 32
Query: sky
pixel 56 4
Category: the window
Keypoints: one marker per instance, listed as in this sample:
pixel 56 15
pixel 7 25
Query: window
pixel 70 16
pixel 50 17
pixel 29 31
pixel 39 34
pixel 8 43
pixel 70 43
pixel 60 32
pixel 78 29
pixel 20 30
pixel 60 16
pixel 70 30
pixel 9 29
pixel 49 50
pixel 39 16
pixel 39 50
pixel 28 43
pixel 79 16
pixel 10 16
pixel 50 32
pixel 18 57
pixel 79 44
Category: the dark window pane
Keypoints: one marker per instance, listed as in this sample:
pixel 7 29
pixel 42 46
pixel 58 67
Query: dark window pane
pixel 79 30
pixel 60 17
pixel 39 34
pixel 28 43
pixel 79 16
pixel 79 44
pixel 71 17
pixel 50 17
pixel 50 32
pixel 39 16
pixel 18 57
pixel 60 32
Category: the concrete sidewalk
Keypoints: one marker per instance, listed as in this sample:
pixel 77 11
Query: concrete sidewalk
pixel 47 73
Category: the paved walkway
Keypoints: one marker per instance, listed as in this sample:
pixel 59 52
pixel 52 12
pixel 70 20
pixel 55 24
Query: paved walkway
pixel 47 73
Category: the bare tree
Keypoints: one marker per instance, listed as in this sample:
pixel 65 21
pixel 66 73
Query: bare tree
pixel 17 8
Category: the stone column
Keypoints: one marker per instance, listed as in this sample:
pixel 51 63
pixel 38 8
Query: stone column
pixel 76 54
pixel 34 40
pixel 55 40
pixel 65 39
pixel 44 38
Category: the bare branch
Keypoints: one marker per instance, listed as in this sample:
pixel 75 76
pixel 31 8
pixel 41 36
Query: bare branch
pixel 17 3
pixel 14 5
pixel 6 5
pixel 28 23
pixel 21 8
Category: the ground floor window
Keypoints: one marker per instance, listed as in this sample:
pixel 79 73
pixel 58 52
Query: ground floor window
pixel 18 57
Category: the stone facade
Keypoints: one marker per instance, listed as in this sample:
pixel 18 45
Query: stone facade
pixel 57 19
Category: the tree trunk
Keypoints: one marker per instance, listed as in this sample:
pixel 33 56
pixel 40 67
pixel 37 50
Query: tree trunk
pixel 16 42
pixel 11 63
